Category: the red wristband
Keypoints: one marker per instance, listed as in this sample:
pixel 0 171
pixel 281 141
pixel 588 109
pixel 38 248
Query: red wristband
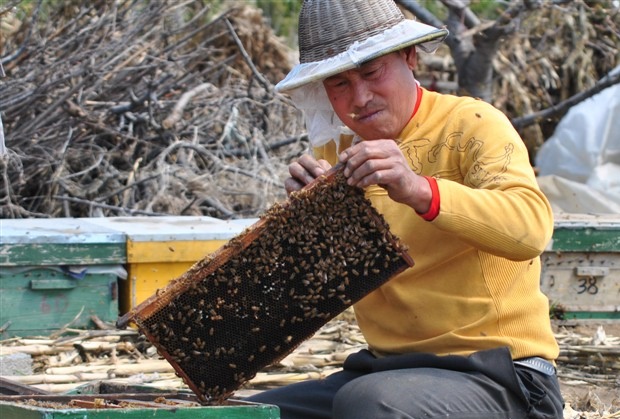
pixel 433 210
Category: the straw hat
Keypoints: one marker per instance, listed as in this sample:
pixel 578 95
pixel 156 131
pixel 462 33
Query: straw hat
pixel 336 36
pixel 339 35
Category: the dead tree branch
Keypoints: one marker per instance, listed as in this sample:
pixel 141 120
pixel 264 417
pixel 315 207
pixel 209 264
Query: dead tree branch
pixel 560 109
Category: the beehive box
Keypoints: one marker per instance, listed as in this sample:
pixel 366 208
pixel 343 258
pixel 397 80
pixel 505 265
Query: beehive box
pixel 162 248
pixel 128 406
pixel 581 267
pixel 57 272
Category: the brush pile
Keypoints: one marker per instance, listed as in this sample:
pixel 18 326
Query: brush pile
pixel 115 108
pixel 556 50
pixel 120 108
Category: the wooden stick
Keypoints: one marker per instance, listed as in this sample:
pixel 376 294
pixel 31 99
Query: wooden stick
pixel 247 58
pixel 94 404
pixel 58 378
pixel 148 366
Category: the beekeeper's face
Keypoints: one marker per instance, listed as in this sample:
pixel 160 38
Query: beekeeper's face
pixel 377 99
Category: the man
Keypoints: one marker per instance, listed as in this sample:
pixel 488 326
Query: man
pixel 465 333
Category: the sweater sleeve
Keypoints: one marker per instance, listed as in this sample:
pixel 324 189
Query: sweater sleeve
pixel 494 203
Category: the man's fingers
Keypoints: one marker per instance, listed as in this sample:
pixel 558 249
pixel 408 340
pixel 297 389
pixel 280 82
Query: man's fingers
pixel 292 185
pixel 315 167
pixel 304 171
pixel 324 165
pixel 300 173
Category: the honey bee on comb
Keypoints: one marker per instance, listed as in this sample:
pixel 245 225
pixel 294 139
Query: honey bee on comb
pixel 258 297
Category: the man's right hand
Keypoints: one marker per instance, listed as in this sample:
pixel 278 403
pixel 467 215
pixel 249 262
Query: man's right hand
pixel 304 171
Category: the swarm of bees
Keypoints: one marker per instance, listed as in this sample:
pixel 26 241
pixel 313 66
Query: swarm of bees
pixel 267 290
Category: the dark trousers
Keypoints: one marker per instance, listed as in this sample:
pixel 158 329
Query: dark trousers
pixel 484 385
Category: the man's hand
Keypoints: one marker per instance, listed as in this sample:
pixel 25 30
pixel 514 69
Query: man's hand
pixel 380 162
pixel 304 171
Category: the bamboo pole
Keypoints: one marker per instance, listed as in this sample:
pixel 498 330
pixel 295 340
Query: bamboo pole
pixel 147 366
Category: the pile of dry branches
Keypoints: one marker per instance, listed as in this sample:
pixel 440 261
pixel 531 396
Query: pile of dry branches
pixel 551 55
pixel 559 51
pixel 135 107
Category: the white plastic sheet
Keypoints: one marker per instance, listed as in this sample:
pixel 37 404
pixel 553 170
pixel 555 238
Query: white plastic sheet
pixel 579 166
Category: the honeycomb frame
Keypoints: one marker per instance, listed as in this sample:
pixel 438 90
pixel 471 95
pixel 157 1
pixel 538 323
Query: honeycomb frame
pixel 253 301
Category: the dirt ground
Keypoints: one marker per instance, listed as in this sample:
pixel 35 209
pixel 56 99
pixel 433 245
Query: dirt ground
pixel 590 396
pixel 587 369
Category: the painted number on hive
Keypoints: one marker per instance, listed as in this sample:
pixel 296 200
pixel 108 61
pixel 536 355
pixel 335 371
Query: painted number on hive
pixel 58 304
pixel 587 285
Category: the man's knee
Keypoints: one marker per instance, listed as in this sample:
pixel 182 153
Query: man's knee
pixel 370 396
pixel 425 393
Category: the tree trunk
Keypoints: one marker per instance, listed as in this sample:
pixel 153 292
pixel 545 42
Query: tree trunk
pixel 472 44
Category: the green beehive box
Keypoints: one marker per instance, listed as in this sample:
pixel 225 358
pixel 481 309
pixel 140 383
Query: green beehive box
pixel 57 272
pixel 34 407
pixel 581 267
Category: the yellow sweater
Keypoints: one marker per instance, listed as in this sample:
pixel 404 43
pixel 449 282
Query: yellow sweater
pixel 475 283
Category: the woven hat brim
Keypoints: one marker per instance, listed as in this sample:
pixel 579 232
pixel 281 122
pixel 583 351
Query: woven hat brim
pixel 427 37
